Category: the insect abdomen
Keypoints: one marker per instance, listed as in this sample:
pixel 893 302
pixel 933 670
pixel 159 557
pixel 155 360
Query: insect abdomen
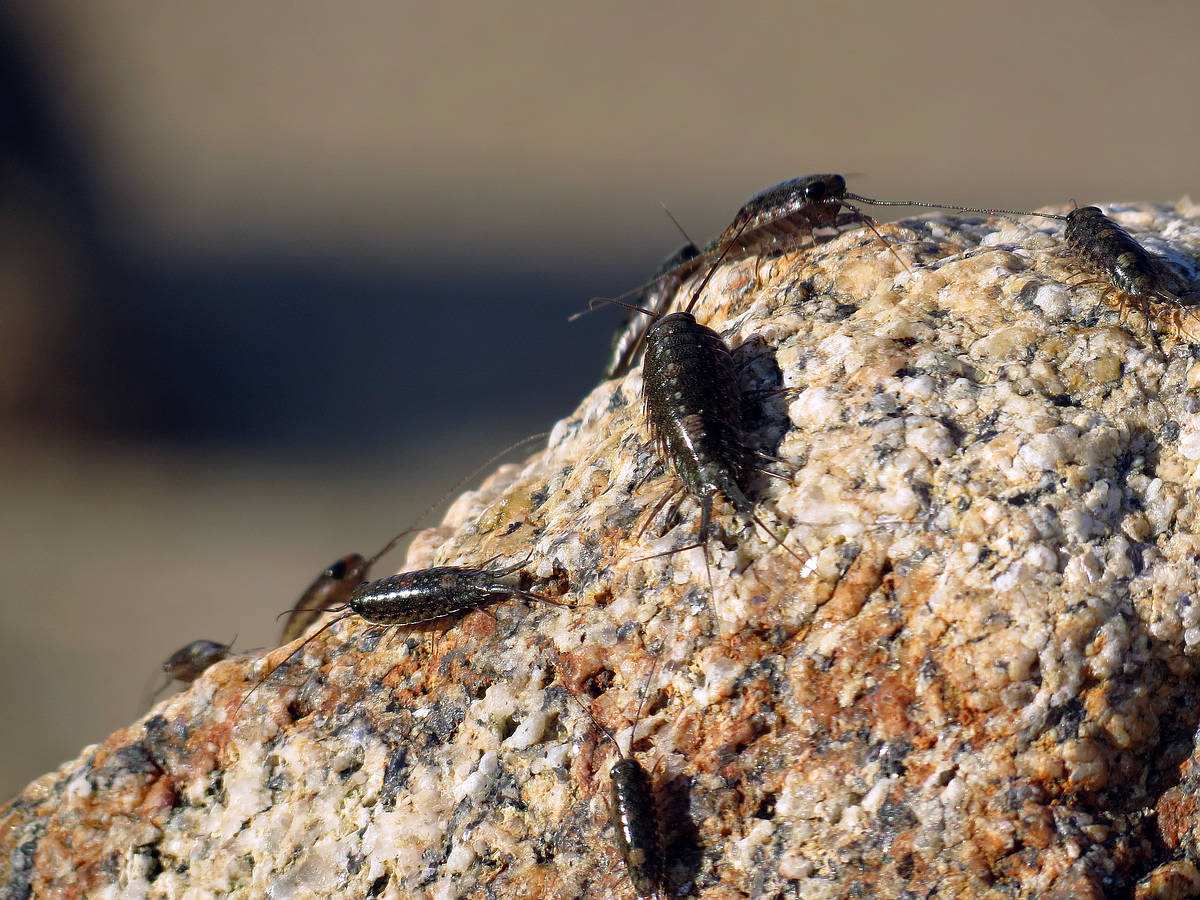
pixel 636 822
pixel 411 598
pixel 692 404
pixel 1101 243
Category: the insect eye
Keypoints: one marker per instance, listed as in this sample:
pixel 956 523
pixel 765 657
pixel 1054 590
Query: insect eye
pixel 838 185
pixel 815 191
pixel 337 570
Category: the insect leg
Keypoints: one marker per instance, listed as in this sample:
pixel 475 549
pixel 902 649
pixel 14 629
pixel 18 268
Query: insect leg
pixel 701 540
pixel 778 540
pixel 870 223
pixel 655 511
pixel 508 570
pixel 765 471
pixel 531 597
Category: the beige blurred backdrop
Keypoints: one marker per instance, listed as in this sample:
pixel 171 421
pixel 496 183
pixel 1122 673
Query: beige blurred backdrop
pixel 408 170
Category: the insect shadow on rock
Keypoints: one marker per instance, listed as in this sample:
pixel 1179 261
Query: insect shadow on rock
pixel 1110 256
pixel 632 808
pixel 692 408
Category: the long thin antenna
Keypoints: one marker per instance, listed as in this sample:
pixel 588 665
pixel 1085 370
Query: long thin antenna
pixel 390 545
pixel 974 209
pixel 642 699
pixel 687 237
pixel 713 269
pixel 276 668
pixel 596 302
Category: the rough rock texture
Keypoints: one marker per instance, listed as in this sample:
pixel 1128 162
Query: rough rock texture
pixel 983 683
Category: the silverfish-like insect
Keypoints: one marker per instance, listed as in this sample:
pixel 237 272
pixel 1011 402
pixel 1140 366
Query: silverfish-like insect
pixel 191 661
pixel 770 220
pixel 420 597
pixel 1109 253
pixel 795 209
pixel 632 808
pixel 335 584
pixel 692 407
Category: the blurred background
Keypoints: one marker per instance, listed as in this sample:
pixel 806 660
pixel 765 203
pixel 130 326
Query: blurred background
pixel 273 275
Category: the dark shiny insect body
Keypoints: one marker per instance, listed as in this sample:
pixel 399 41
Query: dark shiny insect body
pixel 427 595
pixel 788 212
pixel 632 808
pixel 635 819
pixel 332 587
pixel 1106 249
pixel 419 597
pixel 769 221
pixel 655 297
pixel 693 411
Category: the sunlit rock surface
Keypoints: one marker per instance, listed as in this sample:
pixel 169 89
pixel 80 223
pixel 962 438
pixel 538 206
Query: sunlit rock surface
pixel 983 682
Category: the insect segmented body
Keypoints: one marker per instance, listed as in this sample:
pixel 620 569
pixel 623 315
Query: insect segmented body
pixel 419 597
pixel 788 211
pixel 635 819
pixel 1104 245
pixel 693 410
pixel 632 808
pixel 427 595
pixel 191 661
pixel 656 297
pixel 1106 249
pixel 332 587
pixel 769 221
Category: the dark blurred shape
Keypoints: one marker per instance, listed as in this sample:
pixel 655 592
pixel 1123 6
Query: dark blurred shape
pixel 47 239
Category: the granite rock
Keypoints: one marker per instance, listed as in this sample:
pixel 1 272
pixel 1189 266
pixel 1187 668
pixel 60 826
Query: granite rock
pixel 982 683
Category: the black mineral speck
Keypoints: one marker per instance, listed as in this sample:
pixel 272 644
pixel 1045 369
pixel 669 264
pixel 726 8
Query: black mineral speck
pixel 1069 715
pixel 896 816
pixel 379 885
pixel 395 776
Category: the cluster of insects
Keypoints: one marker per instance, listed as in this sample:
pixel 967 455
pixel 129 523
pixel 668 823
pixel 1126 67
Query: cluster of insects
pixel 693 414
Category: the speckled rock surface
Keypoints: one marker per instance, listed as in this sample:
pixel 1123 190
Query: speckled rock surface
pixel 983 682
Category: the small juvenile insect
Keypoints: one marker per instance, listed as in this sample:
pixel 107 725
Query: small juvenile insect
pixel 632 808
pixel 420 597
pixel 191 661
